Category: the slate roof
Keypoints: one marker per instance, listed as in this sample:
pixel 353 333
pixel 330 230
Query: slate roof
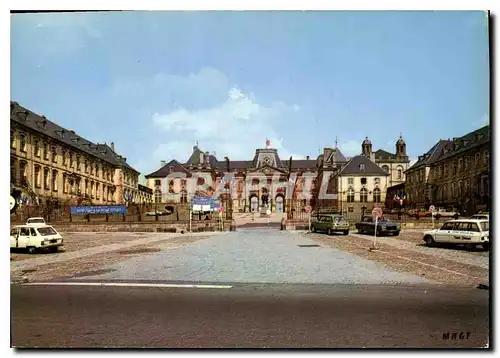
pixel 353 167
pixel 42 125
pixel 164 170
pixel 445 149
pixel 382 154
pixel 337 155
pixel 300 163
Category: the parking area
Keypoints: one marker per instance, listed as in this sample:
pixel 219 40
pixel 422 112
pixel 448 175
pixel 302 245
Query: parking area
pixel 407 253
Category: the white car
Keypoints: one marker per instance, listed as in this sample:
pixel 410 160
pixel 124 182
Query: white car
pixel 469 232
pixel 35 222
pixel 35 237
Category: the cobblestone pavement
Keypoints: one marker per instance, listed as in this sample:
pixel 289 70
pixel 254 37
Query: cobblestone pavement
pixel 86 252
pixel 405 254
pixel 257 256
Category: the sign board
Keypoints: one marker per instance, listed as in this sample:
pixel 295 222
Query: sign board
pixel 104 209
pixel 196 207
pixel 377 212
pixel 308 208
pixel 432 208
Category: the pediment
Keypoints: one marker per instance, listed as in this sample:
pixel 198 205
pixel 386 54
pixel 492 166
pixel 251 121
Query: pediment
pixel 267 169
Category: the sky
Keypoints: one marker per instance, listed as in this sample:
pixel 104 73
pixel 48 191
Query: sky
pixel 155 83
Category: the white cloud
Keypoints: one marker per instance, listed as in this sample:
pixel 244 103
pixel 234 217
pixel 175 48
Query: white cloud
pixel 413 161
pixel 350 148
pixel 233 128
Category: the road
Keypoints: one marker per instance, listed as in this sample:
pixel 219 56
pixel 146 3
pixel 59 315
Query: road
pixel 250 316
pixel 269 288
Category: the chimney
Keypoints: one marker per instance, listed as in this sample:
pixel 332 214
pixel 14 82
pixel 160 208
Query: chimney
pixel 113 146
pixel 163 163
pixel 307 157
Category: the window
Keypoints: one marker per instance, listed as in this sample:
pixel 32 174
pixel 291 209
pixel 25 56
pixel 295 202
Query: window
pixel 46 151
pixel 46 231
pixel 454 169
pixel 466 163
pixel 477 158
pixel 485 226
pixel 54 180
pixel 38 183
pixel 12 139
pixel 445 167
pixel 170 169
pixel 92 190
pixel 36 148
pixel 32 231
pixel 460 165
pixel 350 209
pixel 157 196
pixel 350 195
pixel 400 173
pixel 12 169
pixel 350 181
pixel 385 168
pixel 87 187
pixel 376 181
pixel 97 191
pixel 376 195
pixel 486 157
pixel 64 157
pixel 24 231
pixel 22 170
pixel 78 163
pixel 447 226
pixel 157 182
pixel 54 154
pixel 65 184
pixel 363 181
pixel 361 167
pixel 473 227
pixel 363 195
pixel 86 166
pixel 22 142
pixel 71 159
pixel 46 178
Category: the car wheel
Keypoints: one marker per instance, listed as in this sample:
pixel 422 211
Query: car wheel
pixel 429 240
pixel 329 231
pixel 32 250
pixel 313 229
pixel 346 232
pixel 486 246
pixel 53 249
pixel 396 233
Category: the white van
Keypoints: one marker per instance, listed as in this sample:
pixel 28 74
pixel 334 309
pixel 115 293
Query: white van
pixel 35 237
pixel 469 232
pixel 35 222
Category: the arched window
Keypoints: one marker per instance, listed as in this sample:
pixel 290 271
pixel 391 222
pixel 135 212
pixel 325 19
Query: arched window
pixel 376 195
pixel 350 195
pixel 385 168
pixel 38 179
pixel 12 139
pixel 486 157
pixel 54 180
pixel 400 172
pixel 363 195
pixel 22 142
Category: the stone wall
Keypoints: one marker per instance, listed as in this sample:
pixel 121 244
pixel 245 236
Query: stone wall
pixel 143 227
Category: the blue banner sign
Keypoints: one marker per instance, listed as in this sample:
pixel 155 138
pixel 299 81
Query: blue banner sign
pixel 105 209
pixel 202 200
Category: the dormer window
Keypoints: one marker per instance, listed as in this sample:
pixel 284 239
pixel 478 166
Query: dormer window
pixel 170 169
pixel 362 167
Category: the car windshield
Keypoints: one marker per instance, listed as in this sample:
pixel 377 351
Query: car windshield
pixel 36 221
pixel 485 226
pixel 45 231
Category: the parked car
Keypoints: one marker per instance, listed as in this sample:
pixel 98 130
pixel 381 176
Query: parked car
pixel 483 216
pixel 384 226
pixel 468 232
pixel 329 223
pixel 34 238
pixel 35 221
pixel 445 213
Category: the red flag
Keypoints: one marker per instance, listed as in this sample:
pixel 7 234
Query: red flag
pixel 268 142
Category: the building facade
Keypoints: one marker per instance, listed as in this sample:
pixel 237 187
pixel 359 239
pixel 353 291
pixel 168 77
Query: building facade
pixel 330 181
pixel 453 173
pixel 51 164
